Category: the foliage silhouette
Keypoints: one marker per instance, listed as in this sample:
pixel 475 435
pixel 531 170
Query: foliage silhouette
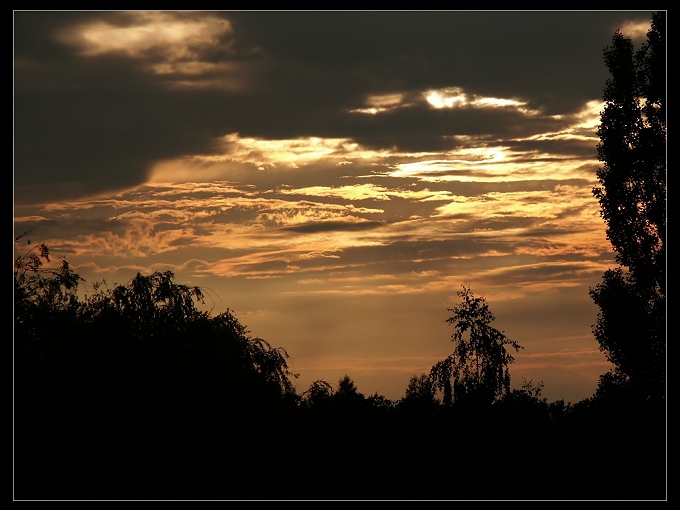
pixel 631 325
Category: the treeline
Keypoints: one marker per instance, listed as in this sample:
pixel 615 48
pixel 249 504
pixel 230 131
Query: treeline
pixel 132 392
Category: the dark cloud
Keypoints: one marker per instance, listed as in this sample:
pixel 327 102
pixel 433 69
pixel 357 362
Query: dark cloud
pixel 87 124
pixel 556 55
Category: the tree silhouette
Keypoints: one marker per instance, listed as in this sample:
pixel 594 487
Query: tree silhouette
pixel 45 302
pixel 319 395
pixel 525 403
pixel 153 326
pixel 347 396
pixel 477 370
pixel 380 403
pixel 631 324
pixel 420 395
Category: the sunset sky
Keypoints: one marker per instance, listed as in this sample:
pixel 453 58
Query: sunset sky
pixel 332 178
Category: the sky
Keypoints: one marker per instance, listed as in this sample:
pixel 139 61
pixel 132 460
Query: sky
pixel 331 178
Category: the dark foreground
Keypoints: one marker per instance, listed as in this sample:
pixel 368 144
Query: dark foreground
pixel 66 449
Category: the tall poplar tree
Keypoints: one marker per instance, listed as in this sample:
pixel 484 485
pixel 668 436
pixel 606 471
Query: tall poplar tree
pixel 631 324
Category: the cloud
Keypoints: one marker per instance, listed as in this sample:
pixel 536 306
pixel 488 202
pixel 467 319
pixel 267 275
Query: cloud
pixel 334 226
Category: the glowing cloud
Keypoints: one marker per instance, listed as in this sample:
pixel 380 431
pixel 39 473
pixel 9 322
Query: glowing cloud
pixel 381 103
pixel 171 43
pixel 175 37
pixel 264 154
pixel 456 97
pixel 635 30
